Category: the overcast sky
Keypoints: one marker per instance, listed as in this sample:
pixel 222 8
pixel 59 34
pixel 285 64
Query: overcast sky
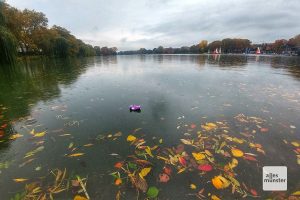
pixel 132 24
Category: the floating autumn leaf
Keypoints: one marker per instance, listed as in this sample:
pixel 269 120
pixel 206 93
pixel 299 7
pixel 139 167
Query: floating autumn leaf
pixel 152 192
pixel 41 134
pixel 148 151
pixel 131 138
pixel 144 172
pixel 205 167
pixel 263 130
pixel 297 193
pixel 248 157
pixel 78 197
pixel 182 161
pixel 236 152
pixel 118 181
pixel 296 144
pixel 231 165
pixel 187 142
pixel 118 165
pixel 15 136
pixel 160 141
pixel 253 192
pixel 75 154
pixel 163 178
pixel 19 180
pixel 88 145
pixel 220 182
pixel 209 126
pixel 198 156
pixel 167 170
pixel 208 153
pixel 214 197
pixel 193 186
pixel 193 126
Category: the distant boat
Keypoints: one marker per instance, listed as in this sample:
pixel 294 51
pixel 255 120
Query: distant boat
pixel 257 51
pixel 216 51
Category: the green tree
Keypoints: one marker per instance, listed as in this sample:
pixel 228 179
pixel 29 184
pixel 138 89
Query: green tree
pixel 7 41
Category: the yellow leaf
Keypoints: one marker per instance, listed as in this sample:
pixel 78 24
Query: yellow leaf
pixel 181 170
pixel 131 138
pixel 75 154
pixel 144 172
pixel 162 158
pixel 237 140
pixel 296 144
pixel 193 186
pixel 214 197
pixel 78 197
pixel 208 153
pixel 160 141
pixel 32 132
pixel 88 145
pixel 236 152
pixel 297 193
pixel 209 126
pixel 187 142
pixel 148 151
pixel 232 164
pixel 198 156
pixel 220 182
pixel 41 134
pixel 18 180
pixel 15 136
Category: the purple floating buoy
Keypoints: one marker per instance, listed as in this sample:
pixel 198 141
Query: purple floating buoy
pixel 135 108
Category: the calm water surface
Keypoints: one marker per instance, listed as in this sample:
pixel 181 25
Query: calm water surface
pixel 83 101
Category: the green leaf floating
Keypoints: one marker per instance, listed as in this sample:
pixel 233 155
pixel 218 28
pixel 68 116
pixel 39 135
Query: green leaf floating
pixel 152 192
pixel 132 165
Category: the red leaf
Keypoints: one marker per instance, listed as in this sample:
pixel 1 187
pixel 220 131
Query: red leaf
pixel 193 126
pixel 248 157
pixel 182 161
pixel 163 178
pixel 264 130
pixel 205 167
pixel 118 165
pixel 253 192
pixel 167 170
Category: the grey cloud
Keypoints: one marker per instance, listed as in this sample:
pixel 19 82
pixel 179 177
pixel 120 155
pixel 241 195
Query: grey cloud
pixel 148 23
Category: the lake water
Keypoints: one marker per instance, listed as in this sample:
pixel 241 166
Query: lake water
pixel 250 103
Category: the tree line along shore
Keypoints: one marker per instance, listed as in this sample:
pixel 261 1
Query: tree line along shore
pixel 26 33
pixel 227 46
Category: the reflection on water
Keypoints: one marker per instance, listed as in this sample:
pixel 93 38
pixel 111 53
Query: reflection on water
pixel 78 101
